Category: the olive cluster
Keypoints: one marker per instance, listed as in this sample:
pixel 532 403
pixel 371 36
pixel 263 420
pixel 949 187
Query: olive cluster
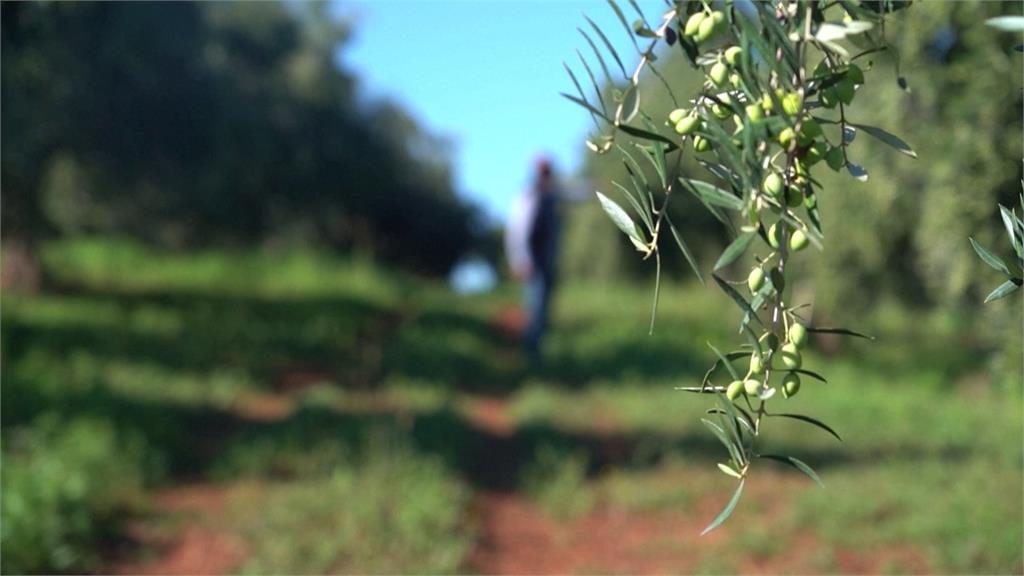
pixel 792 141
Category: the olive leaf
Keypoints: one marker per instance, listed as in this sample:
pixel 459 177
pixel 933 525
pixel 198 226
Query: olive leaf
pixel 620 218
pixel 1004 289
pixel 989 258
pixel 727 511
pixel 888 138
pixel 795 463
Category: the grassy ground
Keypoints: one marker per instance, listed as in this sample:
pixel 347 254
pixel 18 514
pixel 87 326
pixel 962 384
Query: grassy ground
pixel 356 420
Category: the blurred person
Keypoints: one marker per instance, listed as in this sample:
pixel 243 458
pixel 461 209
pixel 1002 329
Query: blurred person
pixel 531 245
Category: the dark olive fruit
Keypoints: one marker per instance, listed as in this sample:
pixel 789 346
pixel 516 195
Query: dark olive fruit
pixel 835 159
pixel 793 196
pixel 676 115
pixel 755 279
pixel 732 55
pixel 790 385
pixel 687 125
pixel 693 23
pixel 701 144
pixel 778 280
pixel 734 390
pixel 775 235
pixel 773 185
pixel 790 355
pixel 797 334
pixel 752 387
pixel 797 240
pixel 756 363
pixel 719 73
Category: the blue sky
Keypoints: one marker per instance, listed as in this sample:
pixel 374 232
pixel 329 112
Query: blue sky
pixel 487 75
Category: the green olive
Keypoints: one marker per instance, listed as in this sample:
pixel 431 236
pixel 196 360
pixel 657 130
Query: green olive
pixel 701 144
pixel 755 279
pixel 786 137
pixel 756 363
pixel 767 103
pixel 693 23
pixel 722 111
pixel 734 390
pixel 676 115
pixel 792 103
pixel 811 201
pixel 793 197
pixel 754 113
pixel 732 55
pixel 687 125
pixel 835 159
pixel 790 356
pixel 790 385
pixel 709 27
pixel 735 80
pixel 772 185
pixel 797 334
pixel 775 235
pixel 752 387
pixel 797 240
pixel 816 153
pixel 778 280
pixel 719 73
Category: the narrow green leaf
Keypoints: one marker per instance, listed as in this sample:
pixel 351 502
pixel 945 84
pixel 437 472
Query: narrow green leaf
pixel 810 420
pixel 727 511
pixel 732 293
pixel 1007 23
pixel 701 389
pixel 725 361
pixel 1014 229
pixel 629 106
pixel 1003 289
pixel 657 290
pixel 735 249
pixel 729 357
pixel 713 194
pixel 728 470
pixel 619 217
pixel 686 252
pixel 890 139
pixel 734 451
pixel 798 464
pixel 607 45
pixel 586 105
pixel 625 24
pixel 644 214
pixel 991 259
pixel 806 372
pixel 597 53
pixel 593 80
pixel 843 331
pixel 583 96
pixel 652 157
pixel 647 135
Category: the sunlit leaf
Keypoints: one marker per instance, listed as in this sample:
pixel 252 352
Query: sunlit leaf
pixel 810 420
pixel 989 258
pixel 795 463
pixel 713 194
pixel 619 217
pixel 727 511
pixel 1004 289
pixel 888 138
pixel 735 249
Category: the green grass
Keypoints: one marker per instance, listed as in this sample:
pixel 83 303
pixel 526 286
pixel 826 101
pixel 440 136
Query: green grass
pixel 168 353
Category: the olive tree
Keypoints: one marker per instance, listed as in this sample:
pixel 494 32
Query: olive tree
pixel 772 108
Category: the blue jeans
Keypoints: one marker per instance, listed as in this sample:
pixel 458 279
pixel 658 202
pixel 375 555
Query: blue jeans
pixel 537 295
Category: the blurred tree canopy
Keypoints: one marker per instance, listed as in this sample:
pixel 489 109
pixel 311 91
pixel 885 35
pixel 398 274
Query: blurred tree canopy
pixel 190 124
pixel 903 234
